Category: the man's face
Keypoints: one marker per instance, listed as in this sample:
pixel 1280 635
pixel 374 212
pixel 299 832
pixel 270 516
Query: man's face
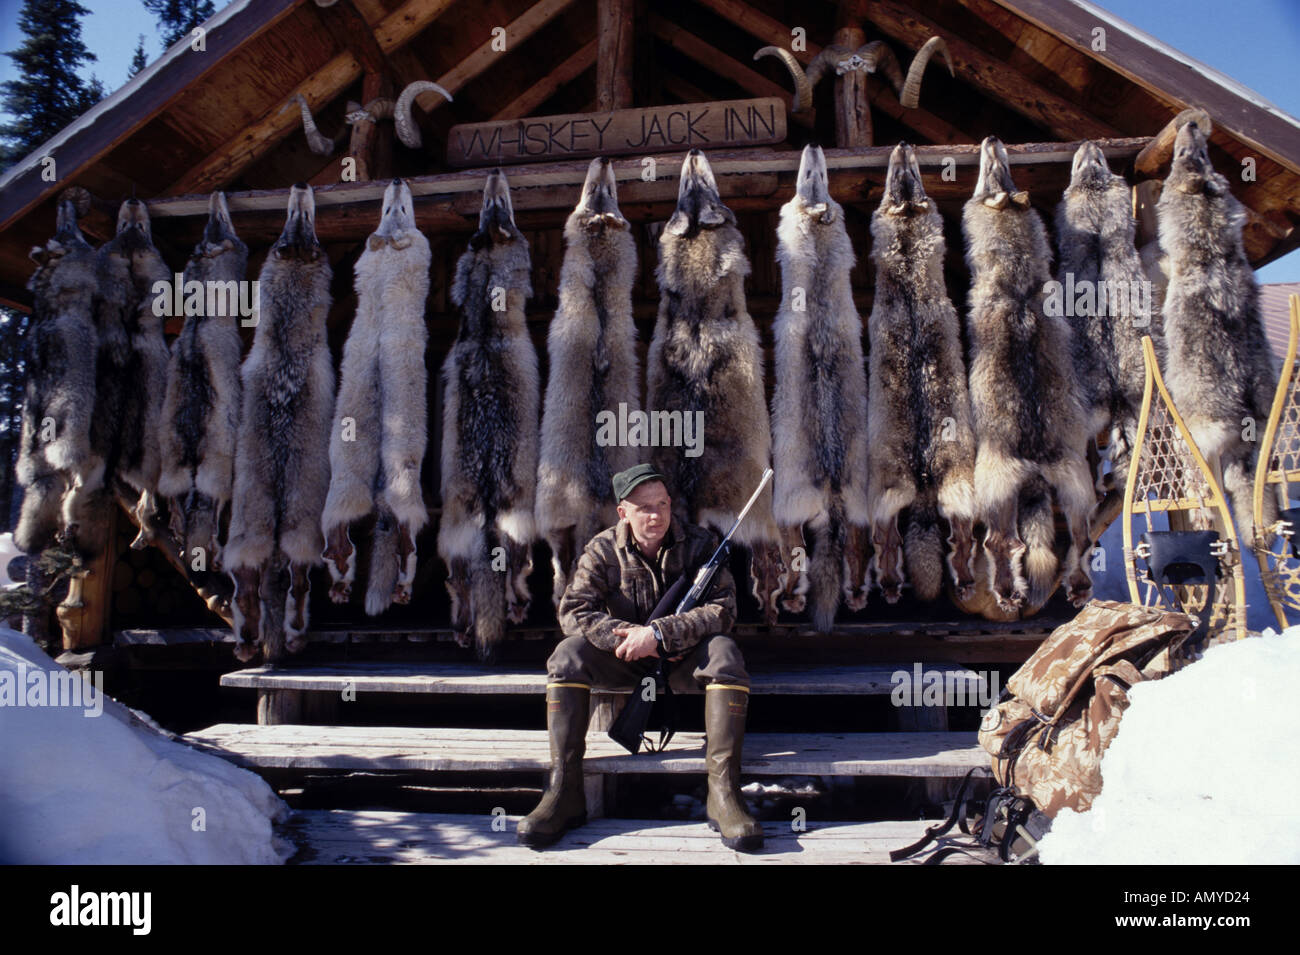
pixel 648 509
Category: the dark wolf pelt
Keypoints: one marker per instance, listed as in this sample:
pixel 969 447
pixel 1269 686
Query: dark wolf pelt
pixel 1219 371
pixel 819 404
pixel 705 357
pixel 1029 425
pixel 490 430
pixel 200 413
pixel 921 452
pixel 593 368
pixel 1111 312
pixel 380 431
pixel 55 464
pixel 282 469
pixel 131 367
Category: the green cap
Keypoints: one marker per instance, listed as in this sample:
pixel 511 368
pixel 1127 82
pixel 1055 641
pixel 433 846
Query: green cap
pixel 626 481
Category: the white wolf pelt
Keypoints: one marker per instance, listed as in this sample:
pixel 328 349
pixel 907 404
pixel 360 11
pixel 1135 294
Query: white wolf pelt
pixel 55 463
pixel 819 404
pixel 380 420
pixel 1029 423
pixel 921 450
pixel 704 359
pixel 130 370
pixel 1219 370
pixel 593 368
pixel 489 430
pixel 200 411
pixel 282 453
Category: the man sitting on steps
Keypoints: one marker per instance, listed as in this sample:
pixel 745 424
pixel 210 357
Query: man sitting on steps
pixel 618 581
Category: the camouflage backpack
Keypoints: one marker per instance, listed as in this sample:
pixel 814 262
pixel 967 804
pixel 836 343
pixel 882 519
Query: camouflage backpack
pixel 1057 715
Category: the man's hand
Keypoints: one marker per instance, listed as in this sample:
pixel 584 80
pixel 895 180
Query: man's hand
pixel 640 642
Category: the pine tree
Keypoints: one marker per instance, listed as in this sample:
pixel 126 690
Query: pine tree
pixel 48 94
pixel 13 376
pixel 176 18
pixel 138 60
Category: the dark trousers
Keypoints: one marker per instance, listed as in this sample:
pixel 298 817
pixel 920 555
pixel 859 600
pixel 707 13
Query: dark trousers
pixel 714 659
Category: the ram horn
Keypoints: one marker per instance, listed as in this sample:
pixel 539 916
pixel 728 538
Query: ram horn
pixel 316 141
pixel 911 95
pixel 802 87
pixel 407 131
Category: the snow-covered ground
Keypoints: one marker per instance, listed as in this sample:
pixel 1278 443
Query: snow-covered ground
pixel 91 781
pixel 1205 768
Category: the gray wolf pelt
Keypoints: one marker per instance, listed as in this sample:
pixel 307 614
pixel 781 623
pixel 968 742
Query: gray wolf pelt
pixel 1029 425
pixel 705 362
pixel 593 368
pixel 380 432
pixel 921 450
pixel 282 469
pixel 130 369
pixel 55 464
pixel 1111 305
pixel 200 412
pixel 1218 370
pixel 819 404
pixel 490 430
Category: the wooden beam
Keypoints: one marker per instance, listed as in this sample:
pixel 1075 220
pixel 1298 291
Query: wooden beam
pixel 1171 79
pixel 527 102
pixel 614 21
pixel 351 32
pixel 852 105
pixel 715 60
pixel 1054 113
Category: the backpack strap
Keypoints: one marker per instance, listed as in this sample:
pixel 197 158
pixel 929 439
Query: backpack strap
pixel 934 832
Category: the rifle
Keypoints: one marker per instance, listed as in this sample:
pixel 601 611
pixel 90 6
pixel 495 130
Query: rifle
pixel 629 727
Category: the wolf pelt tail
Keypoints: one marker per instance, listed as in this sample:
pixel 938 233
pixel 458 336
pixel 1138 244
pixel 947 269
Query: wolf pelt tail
pixel 384 562
pixel 1042 568
pixel 826 570
pixel 923 550
pixel 487 609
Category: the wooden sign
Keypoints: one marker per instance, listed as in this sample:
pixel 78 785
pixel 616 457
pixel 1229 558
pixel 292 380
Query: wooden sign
pixel 738 122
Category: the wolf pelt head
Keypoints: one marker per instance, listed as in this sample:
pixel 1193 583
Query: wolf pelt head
pixel 700 247
pixel 906 228
pixel 497 258
pixel 598 242
pixel 220 254
pixel 397 228
pixel 1006 243
pixel 1218 368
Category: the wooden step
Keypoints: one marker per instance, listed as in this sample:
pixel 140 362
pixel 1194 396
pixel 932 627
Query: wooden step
pixel 336 837
pixel 457 678
pixel 403 748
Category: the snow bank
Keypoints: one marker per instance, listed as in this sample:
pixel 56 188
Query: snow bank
pixel 81 788
pixel 1204 770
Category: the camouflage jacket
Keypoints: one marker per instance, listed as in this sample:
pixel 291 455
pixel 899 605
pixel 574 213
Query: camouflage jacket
pixel 614 585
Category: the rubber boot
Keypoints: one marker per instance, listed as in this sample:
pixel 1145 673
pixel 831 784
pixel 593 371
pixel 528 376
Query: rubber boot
pixel 724 727
pixel 564 804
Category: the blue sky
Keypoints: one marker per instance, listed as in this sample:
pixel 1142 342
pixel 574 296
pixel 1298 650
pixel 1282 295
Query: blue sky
pixel 1256 43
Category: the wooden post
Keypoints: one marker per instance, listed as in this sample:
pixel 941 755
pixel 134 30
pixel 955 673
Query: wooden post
pixel 84 614
pixel 614 20
pixel 852 105
pixel 372 143
pixel 279 707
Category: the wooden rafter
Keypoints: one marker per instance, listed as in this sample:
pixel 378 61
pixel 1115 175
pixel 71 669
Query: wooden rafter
pixel 527 102
pixel 1062 118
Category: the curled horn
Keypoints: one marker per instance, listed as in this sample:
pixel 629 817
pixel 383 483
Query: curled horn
pixel 802 86
pixel 911 95
pixel 878 56
pixel 79 197
pixel 315 140
pixel 407 131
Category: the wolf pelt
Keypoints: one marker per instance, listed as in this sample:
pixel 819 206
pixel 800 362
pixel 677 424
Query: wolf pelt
pixel 921 451
pixel 55 465
pixel 282 449
pixel 704 356
pixel 1029 424
pixel 819 403
pixel 490 430
pixel 130 370
pixel 591 345
pixel 1219 371
pixel 379 435
pixel 1095 234
pixel 200 412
